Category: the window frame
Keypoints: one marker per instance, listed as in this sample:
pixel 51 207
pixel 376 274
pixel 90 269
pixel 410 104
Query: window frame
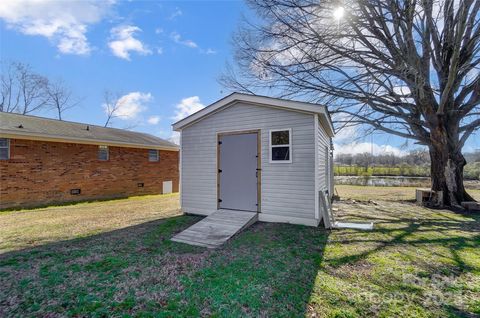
pixel 108 152
pixel 7 147
pixel 158 155
pixel 289 145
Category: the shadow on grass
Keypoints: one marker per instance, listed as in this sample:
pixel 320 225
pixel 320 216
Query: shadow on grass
pixel 425 260
pixel 267 270
pixel 53 204
pixel 444 231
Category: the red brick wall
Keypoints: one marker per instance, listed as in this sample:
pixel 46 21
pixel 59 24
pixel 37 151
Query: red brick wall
pixel 41 172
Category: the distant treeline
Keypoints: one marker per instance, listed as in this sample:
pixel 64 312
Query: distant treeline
pixel 414 164
pixel 415 157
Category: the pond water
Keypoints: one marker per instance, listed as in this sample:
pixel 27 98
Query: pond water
pixel 394 181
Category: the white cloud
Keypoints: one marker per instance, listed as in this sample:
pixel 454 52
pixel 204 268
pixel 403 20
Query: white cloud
pixel 169 135
pixel 186 107
pixel 210 51
pixel 153 120
pixel 472 74
pixel 175 138
pixel 159 51
pixel 123 42
pixel 64 23
pixel 177 38
pixel 130 105
pixel 362 147
pixel 175 14
pixel 402 90
pixel 346 134
pixel 158 31
pixel 404 93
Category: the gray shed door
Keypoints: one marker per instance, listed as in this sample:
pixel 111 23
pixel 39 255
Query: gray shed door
pixel 238 172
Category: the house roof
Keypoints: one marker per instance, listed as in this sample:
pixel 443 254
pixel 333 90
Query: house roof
pixel 235 98
pixel 46 129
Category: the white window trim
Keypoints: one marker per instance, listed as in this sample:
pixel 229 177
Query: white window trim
pixel 8 149
pixel 270 146
pixel 316 122
pixel 158 155
pixel 108 152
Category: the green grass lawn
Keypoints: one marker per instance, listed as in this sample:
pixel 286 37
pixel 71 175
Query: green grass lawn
pixel 384 193
pixel 416 263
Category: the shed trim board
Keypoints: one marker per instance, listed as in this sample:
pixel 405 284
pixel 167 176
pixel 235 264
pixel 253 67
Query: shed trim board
pixel 317 175
pixel 331 176
pixel 259 101
pixel 197 211
pixel 259 162
pixel 265 217
pixel 180 169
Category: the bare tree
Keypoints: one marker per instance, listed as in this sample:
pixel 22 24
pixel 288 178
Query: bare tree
pixel 111 106
pixel 417 157
pixel 22 90
pixel 60 97
pixel 405 67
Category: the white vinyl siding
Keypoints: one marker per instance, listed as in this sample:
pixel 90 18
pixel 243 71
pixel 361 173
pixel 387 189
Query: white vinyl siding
pixel 286 190
pixel 324 162
pixel 324 166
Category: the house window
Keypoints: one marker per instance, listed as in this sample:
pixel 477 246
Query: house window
pixel 4 148
pixel 103 153
pixel 281 146
pixel 153 155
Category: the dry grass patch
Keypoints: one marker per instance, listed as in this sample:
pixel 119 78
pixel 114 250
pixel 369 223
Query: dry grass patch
pixel 383 193
pixel 34 227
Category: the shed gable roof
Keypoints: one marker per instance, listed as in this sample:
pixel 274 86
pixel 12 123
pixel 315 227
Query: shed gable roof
pixel 38 128
pixel 265 101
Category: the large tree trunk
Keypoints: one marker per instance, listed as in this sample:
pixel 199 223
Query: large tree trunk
pixel 447 162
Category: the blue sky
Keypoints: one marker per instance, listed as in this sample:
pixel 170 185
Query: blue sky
pixel 162 58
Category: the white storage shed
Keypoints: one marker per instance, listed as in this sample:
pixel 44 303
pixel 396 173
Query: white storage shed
pixel 261 154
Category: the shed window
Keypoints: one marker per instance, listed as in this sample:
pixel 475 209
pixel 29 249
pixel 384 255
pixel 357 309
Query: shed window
pixel 281 146
pixel 4 148
pixel 153 155
pixel 103 153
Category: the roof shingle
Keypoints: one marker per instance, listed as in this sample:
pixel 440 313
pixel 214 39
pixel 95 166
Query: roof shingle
pixel 24 126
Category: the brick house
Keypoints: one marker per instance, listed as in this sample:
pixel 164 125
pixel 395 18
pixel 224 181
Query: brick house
pixel 46 160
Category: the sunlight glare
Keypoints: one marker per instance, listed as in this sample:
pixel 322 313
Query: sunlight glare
pixel 338 13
